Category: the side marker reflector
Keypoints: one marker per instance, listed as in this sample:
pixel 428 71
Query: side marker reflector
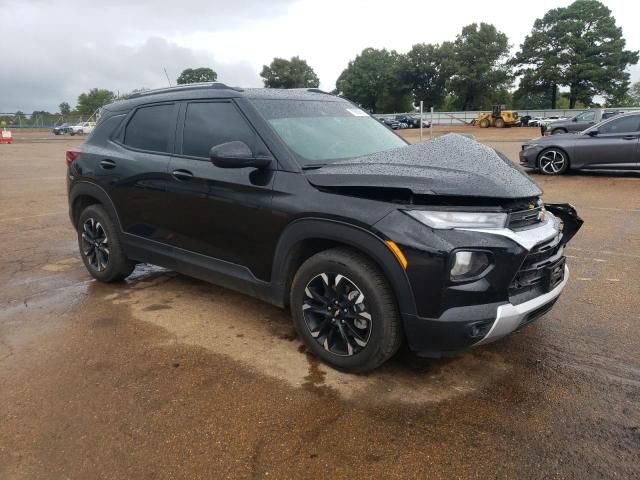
pixel 399 255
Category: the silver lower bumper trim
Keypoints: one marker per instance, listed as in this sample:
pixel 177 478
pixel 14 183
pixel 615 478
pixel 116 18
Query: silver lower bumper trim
pixel 509 316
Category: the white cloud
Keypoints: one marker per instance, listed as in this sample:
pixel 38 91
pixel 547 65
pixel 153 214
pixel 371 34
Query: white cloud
pixel 55 49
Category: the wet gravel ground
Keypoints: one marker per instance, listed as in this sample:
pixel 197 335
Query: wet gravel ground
pixel 163 376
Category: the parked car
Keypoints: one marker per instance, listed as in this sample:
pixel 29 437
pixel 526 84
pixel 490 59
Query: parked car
pixel 62 129
pixel 610 145
pixel 411 122
pixel 305 201
pixel 389 122
pixel 83 128
pixel 580 122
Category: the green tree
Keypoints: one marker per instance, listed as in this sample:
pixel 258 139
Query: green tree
pixel 197 75
pixel 65 108
pixel 294 73
pixel 632 97
pixel 426 68
pixel 374 81
pixel 579 47
pixel 94 99
pixel 481 73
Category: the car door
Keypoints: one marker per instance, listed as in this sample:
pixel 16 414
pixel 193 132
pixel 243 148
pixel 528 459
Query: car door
pixel 611 145
pixel 135 170
pixel 223 213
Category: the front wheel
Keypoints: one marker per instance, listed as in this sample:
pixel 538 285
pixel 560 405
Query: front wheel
pixel 553 161
pixel 344 310
pixel 558 131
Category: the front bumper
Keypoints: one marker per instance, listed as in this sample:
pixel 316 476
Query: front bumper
pixel 529 156
pixel 511 317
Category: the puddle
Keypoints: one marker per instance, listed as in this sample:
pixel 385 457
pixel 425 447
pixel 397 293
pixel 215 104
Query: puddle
pixel 262 337
pixel 61 265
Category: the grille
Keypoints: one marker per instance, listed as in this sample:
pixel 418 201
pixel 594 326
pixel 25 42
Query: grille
pixel 541 270
pixel 522 219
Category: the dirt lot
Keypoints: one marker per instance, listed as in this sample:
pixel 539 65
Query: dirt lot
pixel 168 377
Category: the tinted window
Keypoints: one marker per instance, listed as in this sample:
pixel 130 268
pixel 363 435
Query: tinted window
pixel 209 124
pixel 150 128
pixel 621 125
pixel 587 116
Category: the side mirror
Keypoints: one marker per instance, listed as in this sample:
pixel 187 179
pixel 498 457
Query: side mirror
pixel 236 154
pixel 593 133
pixel 574 119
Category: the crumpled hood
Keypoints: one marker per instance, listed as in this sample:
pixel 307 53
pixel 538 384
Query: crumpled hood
pixel 449 165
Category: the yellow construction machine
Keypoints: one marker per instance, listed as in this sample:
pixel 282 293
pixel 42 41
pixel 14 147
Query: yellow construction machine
pixel 498 117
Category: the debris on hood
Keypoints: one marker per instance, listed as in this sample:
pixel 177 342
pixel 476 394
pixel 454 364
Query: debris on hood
pixel 449 165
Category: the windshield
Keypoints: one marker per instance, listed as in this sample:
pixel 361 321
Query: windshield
pixel 320 132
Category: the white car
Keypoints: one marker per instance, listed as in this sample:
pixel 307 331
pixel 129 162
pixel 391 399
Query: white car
pixel 82 128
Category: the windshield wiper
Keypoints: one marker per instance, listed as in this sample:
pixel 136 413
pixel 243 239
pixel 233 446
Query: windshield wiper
pixel 311 166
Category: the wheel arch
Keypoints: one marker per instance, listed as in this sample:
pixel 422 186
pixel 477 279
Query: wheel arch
pixel 82 194
pixel 306 237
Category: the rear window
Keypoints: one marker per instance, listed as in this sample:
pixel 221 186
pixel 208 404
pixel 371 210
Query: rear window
pixel 150 128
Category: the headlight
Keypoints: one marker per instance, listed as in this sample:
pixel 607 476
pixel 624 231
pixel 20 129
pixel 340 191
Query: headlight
pixel 531 145
pixel 468 264
pixel 442 219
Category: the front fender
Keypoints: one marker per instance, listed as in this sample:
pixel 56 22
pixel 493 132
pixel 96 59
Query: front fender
pixel 359 238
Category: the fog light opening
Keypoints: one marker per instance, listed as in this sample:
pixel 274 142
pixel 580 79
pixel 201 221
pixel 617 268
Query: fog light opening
pixel 468 264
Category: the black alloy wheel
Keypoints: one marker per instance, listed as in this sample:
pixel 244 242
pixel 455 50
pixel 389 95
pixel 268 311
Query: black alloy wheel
pixel 336 314
pixel 95 244
pixel 345 311
pixel 100 246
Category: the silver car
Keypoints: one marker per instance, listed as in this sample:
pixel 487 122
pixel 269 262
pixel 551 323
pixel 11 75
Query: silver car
pixel 612 144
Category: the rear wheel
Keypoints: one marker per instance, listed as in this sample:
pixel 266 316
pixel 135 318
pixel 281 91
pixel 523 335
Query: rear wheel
pixel 499 123
pixel 100 246
pixel 344 310
pixel 553 161
pixel 558 131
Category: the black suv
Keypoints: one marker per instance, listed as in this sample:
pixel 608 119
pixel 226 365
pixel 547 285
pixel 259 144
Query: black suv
pixel 302 199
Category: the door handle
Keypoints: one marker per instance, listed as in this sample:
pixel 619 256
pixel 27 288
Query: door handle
pixel 108 164
pixel 629 137
pixel 182 175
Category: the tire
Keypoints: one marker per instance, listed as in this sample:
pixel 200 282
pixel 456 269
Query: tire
pixel 98 234
pixel 553 161
pixel 558 131
pixel 72 133
pixel 363 330
pixel 499 123
pixel 484 123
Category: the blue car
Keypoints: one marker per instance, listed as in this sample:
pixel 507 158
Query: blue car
pixel 61 129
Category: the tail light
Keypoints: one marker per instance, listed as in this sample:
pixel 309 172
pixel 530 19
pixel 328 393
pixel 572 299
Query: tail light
pixel 72 155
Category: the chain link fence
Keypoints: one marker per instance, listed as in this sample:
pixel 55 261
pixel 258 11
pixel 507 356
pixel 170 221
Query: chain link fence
pixel 462 118
pixel 39 120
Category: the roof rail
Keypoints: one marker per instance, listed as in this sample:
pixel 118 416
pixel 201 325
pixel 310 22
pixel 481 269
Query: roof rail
pixel 317 90
pixel 187 86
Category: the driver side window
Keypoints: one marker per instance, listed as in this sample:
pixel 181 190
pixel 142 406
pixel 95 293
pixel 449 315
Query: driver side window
pixel 587 117
pixel 208 124
pixel 621 125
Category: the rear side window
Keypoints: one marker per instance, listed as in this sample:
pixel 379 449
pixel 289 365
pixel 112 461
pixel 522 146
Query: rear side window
pixel 207 124
pixel 621 125
pixel 150 128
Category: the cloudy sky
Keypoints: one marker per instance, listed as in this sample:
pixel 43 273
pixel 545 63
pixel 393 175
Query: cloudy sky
pixel 52 50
